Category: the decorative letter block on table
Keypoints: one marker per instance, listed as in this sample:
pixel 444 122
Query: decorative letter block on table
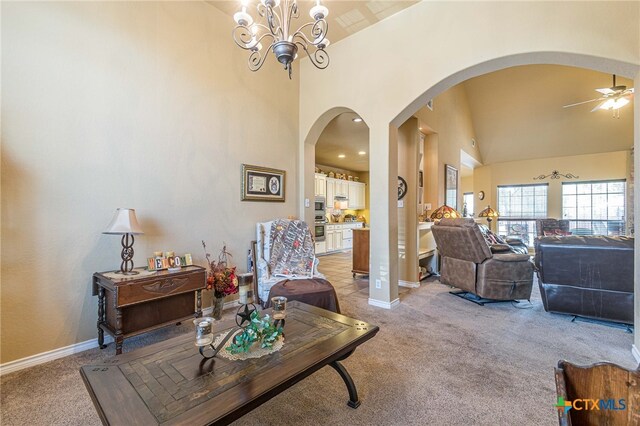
pixel 129 305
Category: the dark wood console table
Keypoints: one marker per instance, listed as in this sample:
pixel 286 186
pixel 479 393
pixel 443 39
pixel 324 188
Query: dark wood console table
pixel 169 383
pixel 133 304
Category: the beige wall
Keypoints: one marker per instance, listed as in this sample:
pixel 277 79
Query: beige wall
pixel 408 137
pixel 462 40
pixel 466 184
pixel 451 120
pixel 611 165
pixel 137 104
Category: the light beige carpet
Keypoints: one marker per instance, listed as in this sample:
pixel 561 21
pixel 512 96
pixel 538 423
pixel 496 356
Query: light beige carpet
pixel 437 360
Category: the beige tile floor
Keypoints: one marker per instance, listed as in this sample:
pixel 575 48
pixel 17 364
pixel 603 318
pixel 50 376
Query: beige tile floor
pixel 337 269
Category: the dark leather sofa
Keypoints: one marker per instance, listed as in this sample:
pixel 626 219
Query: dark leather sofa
pixel 588 276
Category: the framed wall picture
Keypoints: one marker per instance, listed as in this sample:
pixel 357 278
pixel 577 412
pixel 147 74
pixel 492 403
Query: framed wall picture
pixel 262 183
pixel 451 186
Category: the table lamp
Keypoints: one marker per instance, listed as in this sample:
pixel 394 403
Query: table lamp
pixel 445 212
pixel 124 223
pixel 489 213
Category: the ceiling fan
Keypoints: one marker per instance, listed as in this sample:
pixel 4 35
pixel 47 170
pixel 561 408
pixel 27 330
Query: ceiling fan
pixel 613 98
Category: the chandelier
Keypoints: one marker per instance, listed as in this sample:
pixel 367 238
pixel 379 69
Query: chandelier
pixel 275 27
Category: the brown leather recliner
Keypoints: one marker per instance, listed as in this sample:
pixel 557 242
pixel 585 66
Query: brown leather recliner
pixel 468 264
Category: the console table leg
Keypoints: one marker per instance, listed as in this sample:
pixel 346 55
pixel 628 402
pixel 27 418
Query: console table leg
pixel 198 303
pixel 354 402
pixel 119 338
pixel 101 314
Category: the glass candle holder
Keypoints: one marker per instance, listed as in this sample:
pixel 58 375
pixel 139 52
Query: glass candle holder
pixel 245 288
pixel 279 305
pixel 204 333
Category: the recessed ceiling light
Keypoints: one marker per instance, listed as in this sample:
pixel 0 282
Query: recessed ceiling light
pixel 341 156
pixel 356 119
pixel 362 153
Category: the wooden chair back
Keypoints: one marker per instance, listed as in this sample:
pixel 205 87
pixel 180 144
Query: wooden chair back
pixel 613 389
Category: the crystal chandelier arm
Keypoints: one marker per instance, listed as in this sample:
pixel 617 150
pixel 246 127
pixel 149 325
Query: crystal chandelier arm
pixel 319 58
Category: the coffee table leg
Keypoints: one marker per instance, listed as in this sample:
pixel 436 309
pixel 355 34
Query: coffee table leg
pixel 354 402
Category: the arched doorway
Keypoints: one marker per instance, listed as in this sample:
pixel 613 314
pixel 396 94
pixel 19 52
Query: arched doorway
pixel 383 143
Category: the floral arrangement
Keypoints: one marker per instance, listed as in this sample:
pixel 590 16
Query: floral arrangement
pixel 260 329
pixel 221 278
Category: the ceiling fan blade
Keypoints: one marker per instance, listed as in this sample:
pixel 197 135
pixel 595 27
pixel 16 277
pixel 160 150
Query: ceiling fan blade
pixel 606 91
pixel 598 106
pixel 580 103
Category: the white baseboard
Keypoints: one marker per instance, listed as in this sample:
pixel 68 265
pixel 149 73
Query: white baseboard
pixel 33 360
pixel 410 284
pixel 385 305
pixel 636 353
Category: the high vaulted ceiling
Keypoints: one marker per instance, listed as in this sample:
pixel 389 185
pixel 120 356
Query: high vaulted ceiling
pixel 517 113
pixel 345 17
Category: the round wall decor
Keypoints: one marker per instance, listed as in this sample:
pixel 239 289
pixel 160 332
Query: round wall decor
pixel 402 187
pixel 481 195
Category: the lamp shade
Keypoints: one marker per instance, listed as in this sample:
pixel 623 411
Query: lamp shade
pixel 488 212
pixel 445 212
pixel 124 222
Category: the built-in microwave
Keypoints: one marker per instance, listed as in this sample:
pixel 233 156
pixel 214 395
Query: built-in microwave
pixel 321 205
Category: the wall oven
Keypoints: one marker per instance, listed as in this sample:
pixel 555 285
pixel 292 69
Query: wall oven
pixel 320 218
pixel 319 232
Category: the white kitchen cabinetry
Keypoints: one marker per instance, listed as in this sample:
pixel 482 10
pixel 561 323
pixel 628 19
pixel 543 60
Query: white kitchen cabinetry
pixel 328 239
pixel 347 238
pixel 330 191
pixel 342 188
pixel 339 236
pixel 356 195
pixel 321 185
pixel 337 239
pixel 321 247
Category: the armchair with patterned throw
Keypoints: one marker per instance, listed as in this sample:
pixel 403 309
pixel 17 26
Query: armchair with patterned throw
pixel 614 390
pixel 286 265
pixel 469 264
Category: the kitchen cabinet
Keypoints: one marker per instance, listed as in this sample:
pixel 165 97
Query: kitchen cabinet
pixel 357 194
pixel 339 236
pixel 330 191
pixel 328 239
pixel 347 238
pixel 342 188
pixel 321 185
pixel 321 247
pixel 337 239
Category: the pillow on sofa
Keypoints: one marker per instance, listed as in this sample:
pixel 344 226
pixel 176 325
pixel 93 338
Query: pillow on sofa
pixel 489 237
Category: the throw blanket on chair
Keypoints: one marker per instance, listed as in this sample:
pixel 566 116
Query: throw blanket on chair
pixel 292 249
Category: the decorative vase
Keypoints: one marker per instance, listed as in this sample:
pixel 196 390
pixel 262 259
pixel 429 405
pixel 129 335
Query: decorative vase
pixel 218 304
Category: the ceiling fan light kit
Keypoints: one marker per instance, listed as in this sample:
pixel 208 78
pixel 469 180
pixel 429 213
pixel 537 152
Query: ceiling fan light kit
pixel 613 98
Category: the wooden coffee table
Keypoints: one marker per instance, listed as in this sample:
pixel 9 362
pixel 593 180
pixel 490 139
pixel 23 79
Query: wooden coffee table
pixel 170 383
